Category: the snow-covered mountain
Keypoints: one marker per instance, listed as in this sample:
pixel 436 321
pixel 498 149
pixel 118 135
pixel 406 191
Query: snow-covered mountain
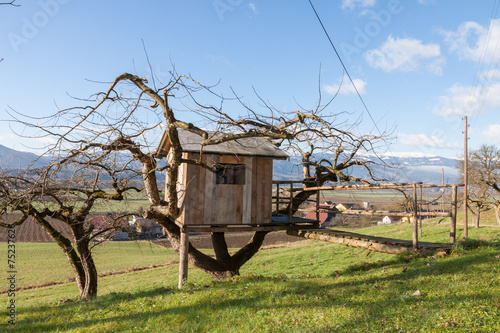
pixel 398 167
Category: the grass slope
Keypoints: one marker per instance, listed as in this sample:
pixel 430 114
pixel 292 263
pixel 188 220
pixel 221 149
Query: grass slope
pixel 308 287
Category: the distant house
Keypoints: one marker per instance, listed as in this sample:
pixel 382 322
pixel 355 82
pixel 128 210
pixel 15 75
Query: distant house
pixel 117 228
pixel 348 206
pixel 408 219
pixel 387 220
pixel 324 218
pixel 147 226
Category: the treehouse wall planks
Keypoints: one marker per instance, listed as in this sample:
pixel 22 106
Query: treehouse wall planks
pixel 204 202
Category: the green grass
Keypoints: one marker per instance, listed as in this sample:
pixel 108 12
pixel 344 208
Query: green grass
pixel 309 287
pixel 39 263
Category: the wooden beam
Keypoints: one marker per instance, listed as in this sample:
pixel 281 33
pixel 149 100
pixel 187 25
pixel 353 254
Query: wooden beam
pixel 183 258
pixel 374 187
pixel 244 228
pixel 383 213
pixel 352 242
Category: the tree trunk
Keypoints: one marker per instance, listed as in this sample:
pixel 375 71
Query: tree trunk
pixel 223 265
pixel 67 248
pixel 89 289
pixel 497 213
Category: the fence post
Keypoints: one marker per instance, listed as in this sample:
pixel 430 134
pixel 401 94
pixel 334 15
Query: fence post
pixel 415 219
pixel 453 222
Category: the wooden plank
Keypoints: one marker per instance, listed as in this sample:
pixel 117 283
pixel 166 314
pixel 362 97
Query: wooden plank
pixel 200 205
pixel 192 192
pixel 239 204
pixel 244 228
pixel 267 190
pixel 211 193
pixel 247 192
pixel 253 212
pixel 231 159
pixel 226 204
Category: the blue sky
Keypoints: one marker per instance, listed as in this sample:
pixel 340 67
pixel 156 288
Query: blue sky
pixel 420 65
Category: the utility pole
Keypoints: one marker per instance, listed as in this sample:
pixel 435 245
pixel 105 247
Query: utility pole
pixel 466 178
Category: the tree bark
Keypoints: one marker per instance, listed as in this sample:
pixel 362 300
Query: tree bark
pixel 497 213
pixel 89 289
pixel 223 265
pixel 69 251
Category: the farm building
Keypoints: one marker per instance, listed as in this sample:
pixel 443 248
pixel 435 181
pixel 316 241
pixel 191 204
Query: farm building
pixel 324 219
pixel 239 193
pixel 147 226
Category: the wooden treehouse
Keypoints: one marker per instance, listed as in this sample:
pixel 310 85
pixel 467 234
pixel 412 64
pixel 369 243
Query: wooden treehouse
pixel 237 196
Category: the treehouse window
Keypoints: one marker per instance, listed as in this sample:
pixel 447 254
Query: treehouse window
pixel 230 174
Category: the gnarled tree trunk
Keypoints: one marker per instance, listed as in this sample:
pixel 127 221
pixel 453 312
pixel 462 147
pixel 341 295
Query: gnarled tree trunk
pixel 224 264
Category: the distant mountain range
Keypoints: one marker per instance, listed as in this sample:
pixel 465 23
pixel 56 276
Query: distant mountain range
pixel 398 168
pixel 393 168
pixel 14 159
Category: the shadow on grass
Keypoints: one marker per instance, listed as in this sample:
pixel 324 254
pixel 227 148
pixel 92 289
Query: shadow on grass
pixel 123 311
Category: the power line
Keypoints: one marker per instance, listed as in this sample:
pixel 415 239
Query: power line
pixel 350 79
pixel 345 68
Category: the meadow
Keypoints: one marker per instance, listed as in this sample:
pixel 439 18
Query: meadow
pixel 307 286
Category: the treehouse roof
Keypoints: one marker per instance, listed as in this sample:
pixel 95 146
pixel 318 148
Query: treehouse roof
pixel 191 142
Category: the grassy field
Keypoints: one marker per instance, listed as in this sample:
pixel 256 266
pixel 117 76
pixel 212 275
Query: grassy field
pixel 310 286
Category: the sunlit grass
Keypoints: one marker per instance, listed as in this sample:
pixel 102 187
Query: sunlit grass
pixel 308 287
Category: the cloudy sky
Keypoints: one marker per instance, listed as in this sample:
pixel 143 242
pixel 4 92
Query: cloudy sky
pixel 419 65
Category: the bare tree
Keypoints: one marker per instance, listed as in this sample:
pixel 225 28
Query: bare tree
pixel 66 190
pixel 484 179
pixel 131 115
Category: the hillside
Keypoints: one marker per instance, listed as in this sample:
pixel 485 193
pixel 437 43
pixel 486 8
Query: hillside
pixel 15 159
pixel 309 286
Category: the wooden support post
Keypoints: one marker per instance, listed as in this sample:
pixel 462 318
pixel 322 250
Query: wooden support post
pixel 453 222
pixel 183 259
pixel 290 211
pixel 317 205
pixel 277 198
pixel 415 219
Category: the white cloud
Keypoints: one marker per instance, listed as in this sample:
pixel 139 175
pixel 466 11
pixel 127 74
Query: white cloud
pixel 344 87
pixel 467 100
pixel 253 8
pixel 424 140
pixel 492 133
pixel 351 4
pixel 473 41
pixel 406 55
